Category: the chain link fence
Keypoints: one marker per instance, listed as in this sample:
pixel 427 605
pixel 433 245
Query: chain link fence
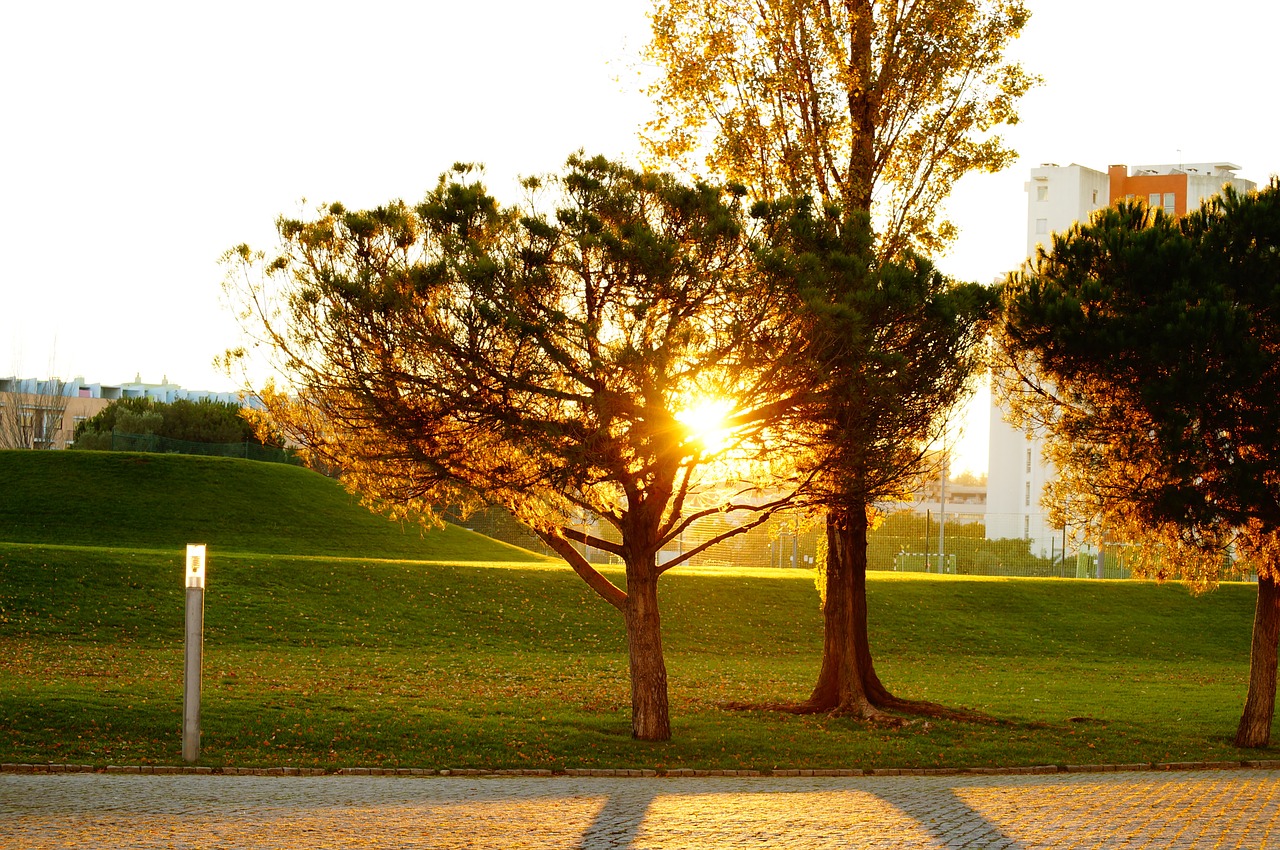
pixel 248 449
pixel 902 541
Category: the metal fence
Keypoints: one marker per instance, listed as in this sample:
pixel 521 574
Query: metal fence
pixel 901 541
pixel 247 449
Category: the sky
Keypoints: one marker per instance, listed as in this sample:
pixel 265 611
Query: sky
pixel 139 141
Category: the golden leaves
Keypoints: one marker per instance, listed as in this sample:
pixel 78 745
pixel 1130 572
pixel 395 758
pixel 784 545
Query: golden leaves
pixel 875 106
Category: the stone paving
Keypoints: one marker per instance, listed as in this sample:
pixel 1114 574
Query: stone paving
pixel 1167 809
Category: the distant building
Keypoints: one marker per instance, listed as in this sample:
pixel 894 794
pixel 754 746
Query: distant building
pixel 1058 197
pixel 43 414
pixel 960 503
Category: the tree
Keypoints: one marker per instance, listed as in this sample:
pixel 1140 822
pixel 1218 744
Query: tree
pixel 460 353
pixel 873 106
pixel 31 413
pixel 1148 347
pixel 891 345
pixel 874 110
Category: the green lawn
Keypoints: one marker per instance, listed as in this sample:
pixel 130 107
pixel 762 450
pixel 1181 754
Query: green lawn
pixel 334 638
pixel 340 662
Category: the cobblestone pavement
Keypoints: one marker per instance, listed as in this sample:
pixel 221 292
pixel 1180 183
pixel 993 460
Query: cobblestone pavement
pixel 1191 809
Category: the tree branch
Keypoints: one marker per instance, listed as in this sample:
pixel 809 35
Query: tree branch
pixel 607 590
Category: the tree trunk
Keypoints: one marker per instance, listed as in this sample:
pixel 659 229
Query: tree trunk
pixel 847 682
pixel 650 719
pixel 1260 704
pixel 840 685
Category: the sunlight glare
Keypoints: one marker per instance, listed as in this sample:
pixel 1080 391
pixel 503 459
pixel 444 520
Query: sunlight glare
pixel 705 421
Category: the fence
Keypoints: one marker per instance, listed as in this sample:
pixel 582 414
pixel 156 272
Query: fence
pixel 902 542
pixel 247 449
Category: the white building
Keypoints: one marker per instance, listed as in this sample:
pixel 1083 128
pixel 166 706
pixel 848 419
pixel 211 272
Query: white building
pixel 1058 197
pixel 44 413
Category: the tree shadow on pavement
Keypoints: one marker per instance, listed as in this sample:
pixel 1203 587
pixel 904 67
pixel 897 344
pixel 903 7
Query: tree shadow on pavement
pixel 624 810
pixel 945 816
pixel 934 808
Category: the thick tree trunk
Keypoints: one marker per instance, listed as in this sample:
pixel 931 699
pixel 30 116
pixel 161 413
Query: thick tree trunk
pixel 847 681
pixel 1260 704
pixel 840 685
pixel 650 719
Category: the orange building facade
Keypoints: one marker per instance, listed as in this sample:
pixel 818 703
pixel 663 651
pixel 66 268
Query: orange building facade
pixel 1160 191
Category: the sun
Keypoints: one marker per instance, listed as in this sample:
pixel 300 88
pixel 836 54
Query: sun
pixel 705 422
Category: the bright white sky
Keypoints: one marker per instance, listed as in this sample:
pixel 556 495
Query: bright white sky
pixel 141 140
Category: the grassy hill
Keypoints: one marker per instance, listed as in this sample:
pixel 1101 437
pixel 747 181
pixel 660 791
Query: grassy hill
pixel 161 501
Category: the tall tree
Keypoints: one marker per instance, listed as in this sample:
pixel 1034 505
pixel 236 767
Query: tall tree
pixel 875 110
pixel 1149 350
pixel 462 353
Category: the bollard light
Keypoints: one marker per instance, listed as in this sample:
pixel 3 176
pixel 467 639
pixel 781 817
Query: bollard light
pixel 194 654
pixel 195 565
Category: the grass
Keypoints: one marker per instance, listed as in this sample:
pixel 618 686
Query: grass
pixel 343 658
pixel 338 662
pixel 164 501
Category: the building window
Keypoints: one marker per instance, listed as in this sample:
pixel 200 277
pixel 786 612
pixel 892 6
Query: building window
pixel 1153 200
pixel 1042 225
pixel 1026 527
pixel 1042 193
pixel 1028 460
pixel 1028 501
pixel 1168 203
pixel 1095 197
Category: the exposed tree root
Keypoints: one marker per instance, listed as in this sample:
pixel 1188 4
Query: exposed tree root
pixel 847 684
pixel 882 715
pixel 781 707
pixel 924 708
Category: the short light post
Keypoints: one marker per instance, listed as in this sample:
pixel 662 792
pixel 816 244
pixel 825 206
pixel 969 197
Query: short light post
pixel 194 570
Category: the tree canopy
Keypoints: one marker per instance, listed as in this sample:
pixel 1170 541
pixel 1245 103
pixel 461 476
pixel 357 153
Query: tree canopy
pixel 891 345
pixel 460 352
pixel 874 106
pixel 1148 347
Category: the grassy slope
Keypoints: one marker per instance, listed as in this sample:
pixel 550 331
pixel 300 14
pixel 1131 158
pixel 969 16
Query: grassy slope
pixel 156 501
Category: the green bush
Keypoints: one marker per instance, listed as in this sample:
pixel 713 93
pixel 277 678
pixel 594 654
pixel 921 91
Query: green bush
pixel 182 420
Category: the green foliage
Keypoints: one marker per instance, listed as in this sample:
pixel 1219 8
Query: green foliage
pixel 92 441
pixel 106 420
pixel 891 347
pixel 1160 340
pixel 463 352
pixel 139 421
pixel 162 501
pixel 341 662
